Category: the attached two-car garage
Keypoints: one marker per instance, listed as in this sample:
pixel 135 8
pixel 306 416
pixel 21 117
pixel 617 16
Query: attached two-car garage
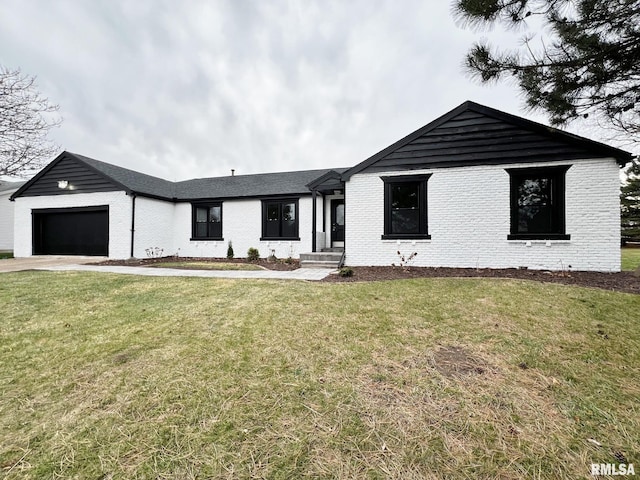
pixel 71 231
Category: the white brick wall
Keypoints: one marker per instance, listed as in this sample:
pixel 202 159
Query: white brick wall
pixel 242 225
pixel 6 221
pixel 468 220
pixel 468 211
pixel 119 218
pixel 168 226
pixel 154 227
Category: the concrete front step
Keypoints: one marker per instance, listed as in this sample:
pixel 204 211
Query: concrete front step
pixel 320 259
pixel 319 264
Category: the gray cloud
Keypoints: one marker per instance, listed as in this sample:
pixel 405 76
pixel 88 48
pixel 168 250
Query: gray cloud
pixel 194 88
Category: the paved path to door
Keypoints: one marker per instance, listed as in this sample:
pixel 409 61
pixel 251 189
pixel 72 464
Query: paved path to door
pixel 299 274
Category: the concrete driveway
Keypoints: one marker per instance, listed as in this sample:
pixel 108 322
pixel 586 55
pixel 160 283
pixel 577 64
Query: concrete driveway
pixel 44 261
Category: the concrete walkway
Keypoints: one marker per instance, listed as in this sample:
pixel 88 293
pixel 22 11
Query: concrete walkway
pixel 43 261
pixel 299 274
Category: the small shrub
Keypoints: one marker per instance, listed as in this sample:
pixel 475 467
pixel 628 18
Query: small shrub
pixel 272 256
pixel 405 260
pixel 346 272
pixel 230 251
pixel 253 255
pixel 288 260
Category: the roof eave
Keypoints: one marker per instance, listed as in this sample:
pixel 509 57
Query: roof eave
pixel 331 174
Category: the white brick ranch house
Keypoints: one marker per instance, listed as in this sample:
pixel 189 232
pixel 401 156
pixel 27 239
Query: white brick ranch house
pixel 474 188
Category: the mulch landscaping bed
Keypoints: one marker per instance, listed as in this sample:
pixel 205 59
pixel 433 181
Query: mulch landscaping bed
pixel 620 282
pixel 263 262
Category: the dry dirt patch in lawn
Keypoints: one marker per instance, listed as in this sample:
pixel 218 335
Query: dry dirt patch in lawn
pixel 451 403
pixel 451 361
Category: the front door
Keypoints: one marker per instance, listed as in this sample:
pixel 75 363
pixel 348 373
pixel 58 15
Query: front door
pixel 337 222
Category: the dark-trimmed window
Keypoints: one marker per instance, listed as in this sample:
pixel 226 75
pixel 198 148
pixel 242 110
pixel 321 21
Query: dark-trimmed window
pixel 280 219
pixel 538 203
pixel 207 221
pixel 405 207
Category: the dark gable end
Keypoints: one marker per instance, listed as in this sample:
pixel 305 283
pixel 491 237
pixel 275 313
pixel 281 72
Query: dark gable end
pixel 80 177
pixel 86 175
pixel 473 134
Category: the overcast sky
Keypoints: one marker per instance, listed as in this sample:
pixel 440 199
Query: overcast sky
pixel 185 89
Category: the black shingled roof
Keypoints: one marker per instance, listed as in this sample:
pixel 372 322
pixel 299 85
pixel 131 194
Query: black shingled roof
pixel 237 186
pixel 259 185
pixel 130 179
pixel 296 183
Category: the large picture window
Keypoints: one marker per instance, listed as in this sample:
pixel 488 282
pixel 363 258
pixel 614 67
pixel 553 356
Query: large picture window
pixel 207 221
pixel 538 203
pixel 280 219
pixel 405 207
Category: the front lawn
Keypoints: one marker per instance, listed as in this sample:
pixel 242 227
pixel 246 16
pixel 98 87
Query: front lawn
pixel 114 376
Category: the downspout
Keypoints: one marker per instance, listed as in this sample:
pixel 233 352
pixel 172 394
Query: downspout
pixel 133 221
pixel 344 241
pixel 314 214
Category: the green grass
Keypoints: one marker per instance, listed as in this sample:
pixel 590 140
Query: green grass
pixel 630 258
pixel 108 376
pixel 207 265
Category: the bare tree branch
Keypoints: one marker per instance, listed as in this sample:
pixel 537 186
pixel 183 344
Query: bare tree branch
pixel 25 120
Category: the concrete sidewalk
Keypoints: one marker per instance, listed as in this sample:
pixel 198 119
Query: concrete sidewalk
pixel 299 274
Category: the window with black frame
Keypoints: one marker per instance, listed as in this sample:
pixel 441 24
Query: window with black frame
pixel 207 221
pixel 538 203
pixel 280 219
pixel 405 207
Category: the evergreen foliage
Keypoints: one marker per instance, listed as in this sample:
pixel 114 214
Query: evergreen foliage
pixel 590 66
pixel 630 203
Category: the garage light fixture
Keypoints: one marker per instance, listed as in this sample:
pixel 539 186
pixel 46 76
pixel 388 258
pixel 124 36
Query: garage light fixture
pixel 63 184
